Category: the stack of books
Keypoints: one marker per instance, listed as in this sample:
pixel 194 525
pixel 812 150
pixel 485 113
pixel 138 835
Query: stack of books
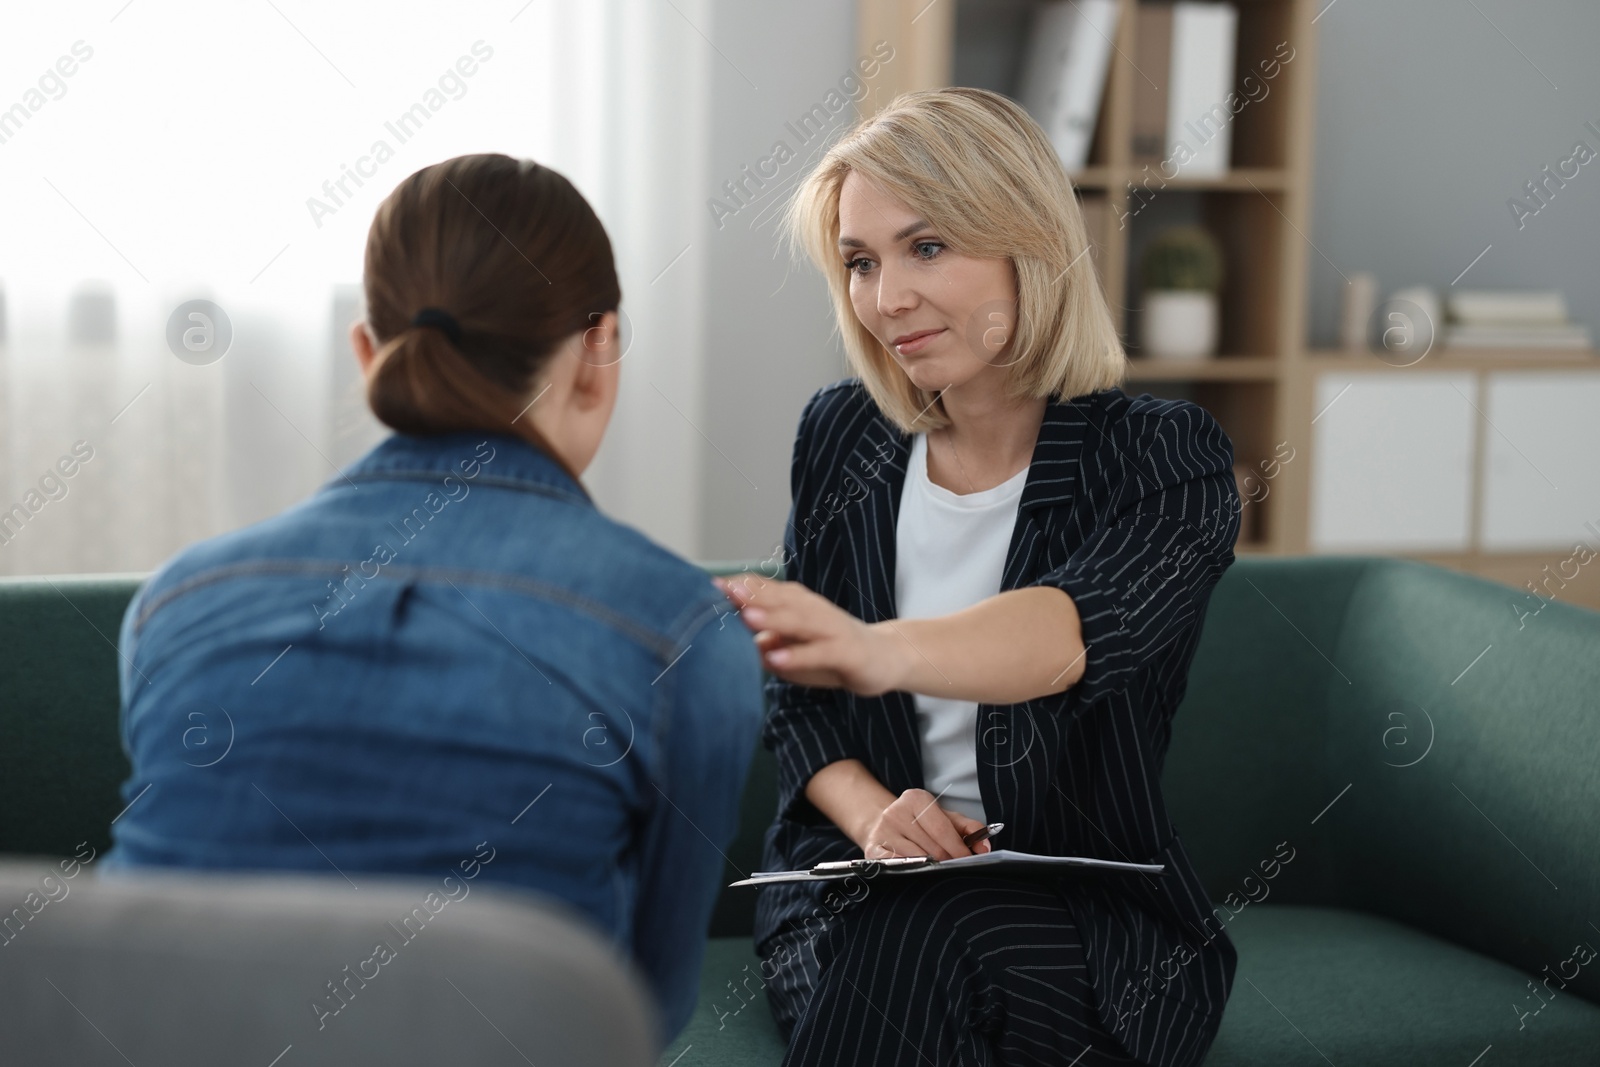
pixel 1511 319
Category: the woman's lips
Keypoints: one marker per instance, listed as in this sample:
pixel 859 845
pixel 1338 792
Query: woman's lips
pixel 915 342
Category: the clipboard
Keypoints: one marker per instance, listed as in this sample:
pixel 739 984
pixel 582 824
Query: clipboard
pixel 1001 860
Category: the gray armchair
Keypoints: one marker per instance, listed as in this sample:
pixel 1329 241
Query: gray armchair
pixel 289 971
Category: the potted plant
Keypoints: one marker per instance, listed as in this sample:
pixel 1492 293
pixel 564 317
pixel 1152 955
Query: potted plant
pixel 1182 272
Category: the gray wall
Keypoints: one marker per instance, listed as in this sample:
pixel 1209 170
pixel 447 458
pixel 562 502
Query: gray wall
pixel 1428 120
pixel 769 324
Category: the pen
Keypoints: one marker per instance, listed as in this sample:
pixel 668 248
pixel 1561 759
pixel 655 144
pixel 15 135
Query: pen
pixel 983 834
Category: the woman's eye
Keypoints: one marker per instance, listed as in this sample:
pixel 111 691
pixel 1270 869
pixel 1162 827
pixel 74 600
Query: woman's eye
pixel 927 249
pixel 859 265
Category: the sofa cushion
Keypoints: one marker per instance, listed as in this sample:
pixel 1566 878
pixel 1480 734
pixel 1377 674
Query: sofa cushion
pixel 1314 985
pixel 61 765
pixel 732 1023
pixel 1328 985
pixel 1245 771
pixel 735 914
pixel 1467 740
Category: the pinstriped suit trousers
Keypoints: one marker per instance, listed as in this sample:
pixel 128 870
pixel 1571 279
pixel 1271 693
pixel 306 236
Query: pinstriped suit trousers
pixel 941 970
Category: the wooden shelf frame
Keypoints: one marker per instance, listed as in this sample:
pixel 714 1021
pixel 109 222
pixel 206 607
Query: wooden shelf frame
pixel 1218 369
pixel 1259 209
pixel 1458 360
pixel 1239 179
pixel 1262 392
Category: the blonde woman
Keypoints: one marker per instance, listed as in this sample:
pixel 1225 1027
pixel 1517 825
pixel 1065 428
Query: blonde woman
pixel 998 565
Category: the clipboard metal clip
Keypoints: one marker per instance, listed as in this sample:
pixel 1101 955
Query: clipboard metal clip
pixel 893 863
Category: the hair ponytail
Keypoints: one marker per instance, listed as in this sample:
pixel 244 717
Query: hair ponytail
pixel 420 383
pixel 516 258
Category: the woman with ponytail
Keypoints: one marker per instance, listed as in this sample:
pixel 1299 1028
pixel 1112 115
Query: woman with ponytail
pixel 448 658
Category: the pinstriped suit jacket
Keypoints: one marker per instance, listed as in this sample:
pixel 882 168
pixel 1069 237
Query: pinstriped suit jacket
pixel 1130 507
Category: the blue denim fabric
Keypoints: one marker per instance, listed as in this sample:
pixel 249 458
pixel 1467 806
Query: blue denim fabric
pixel 448 661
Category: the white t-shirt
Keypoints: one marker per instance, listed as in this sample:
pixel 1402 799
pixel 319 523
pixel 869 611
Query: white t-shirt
pixel 950 553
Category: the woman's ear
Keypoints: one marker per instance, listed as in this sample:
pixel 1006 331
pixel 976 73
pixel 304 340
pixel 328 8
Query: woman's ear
pixel 594 379
pixel 361 344
pixel 601 343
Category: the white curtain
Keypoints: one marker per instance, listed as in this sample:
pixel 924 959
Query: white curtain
pixel 205 151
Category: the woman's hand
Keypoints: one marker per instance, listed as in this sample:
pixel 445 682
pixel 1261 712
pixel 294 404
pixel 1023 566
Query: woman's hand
pixel 914 825
pixel 885 825
pixel 807 639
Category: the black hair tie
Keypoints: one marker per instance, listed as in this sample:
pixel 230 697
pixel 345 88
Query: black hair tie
pixel 441 320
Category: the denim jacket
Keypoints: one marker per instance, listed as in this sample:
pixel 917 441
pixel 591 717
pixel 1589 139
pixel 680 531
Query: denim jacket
pixel 447 662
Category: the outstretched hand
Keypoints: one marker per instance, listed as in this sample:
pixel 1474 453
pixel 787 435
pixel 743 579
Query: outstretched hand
pixel 807 639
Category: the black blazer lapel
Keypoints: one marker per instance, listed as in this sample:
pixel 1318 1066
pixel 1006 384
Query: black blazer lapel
pixel 1053 481
pixel 889 722
pixel 879 459
pixel 1019 745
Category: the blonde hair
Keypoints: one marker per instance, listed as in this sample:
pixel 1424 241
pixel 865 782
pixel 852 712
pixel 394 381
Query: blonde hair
pixel 979 169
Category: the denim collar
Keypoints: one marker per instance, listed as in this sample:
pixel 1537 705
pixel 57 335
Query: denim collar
pixel 501 459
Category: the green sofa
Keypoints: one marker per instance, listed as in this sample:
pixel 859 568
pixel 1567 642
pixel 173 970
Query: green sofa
pixel 1388 775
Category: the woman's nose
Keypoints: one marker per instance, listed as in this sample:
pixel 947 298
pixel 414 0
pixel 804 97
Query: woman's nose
pixel 896 291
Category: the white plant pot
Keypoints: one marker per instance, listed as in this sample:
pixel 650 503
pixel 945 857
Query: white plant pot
pixel 1178 324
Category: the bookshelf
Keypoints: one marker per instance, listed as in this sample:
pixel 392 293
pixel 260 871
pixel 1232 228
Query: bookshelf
pixel 1257 211
pixel 1264 386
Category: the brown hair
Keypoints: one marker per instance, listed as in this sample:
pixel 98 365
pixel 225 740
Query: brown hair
pixel 516 256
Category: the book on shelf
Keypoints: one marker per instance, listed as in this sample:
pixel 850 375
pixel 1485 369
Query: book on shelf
pixel 1571 335
pixel 1510 319
pixel 1064 74
pixel 1200 80
pixel 1152 58
pixel 1507 307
